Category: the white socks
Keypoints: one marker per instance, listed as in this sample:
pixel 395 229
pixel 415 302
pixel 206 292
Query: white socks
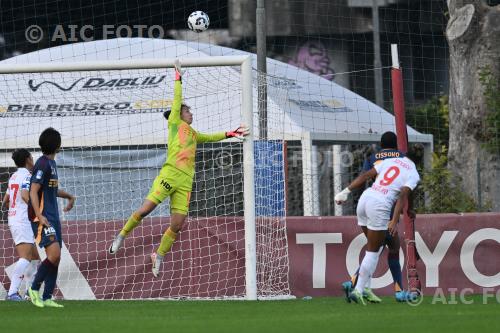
pixel 159 259
pixel 366 270
pixel 29 275
pixel 18 275
pixel 369 283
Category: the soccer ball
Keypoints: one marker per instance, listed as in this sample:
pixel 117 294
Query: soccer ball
pixel 198 21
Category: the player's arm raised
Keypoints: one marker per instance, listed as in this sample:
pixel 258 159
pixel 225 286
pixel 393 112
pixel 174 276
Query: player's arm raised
pixel 65 195
pixel 341 197
pixel 240 133
pixel 174 115
pixel 212 137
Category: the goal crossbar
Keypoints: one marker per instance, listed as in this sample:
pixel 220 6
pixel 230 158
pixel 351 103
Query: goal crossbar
pixel 44 67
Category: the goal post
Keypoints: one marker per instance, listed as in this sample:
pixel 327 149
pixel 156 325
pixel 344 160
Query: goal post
pixel 246 85
pixel 249 182
pixel 401 131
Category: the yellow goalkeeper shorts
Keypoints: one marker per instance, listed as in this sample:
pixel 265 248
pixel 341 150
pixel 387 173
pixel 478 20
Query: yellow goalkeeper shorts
pixel 174 184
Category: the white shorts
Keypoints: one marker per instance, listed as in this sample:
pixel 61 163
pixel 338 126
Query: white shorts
pixel 372 213
pixel 22 233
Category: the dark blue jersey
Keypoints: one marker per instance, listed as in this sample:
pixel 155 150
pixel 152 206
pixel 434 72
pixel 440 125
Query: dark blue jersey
pixel 45 174
pixel 379 157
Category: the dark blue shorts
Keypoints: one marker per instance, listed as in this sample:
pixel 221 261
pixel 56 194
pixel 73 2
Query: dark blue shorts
pixel 44 236
pixel 388 237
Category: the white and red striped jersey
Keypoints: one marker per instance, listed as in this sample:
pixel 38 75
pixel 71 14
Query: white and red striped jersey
pixel 392 175
pixel 18 209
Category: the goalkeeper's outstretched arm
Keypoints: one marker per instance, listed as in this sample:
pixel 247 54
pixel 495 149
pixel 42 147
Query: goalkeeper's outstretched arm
pixel 213 137
pixel 174 115
pixel 239 133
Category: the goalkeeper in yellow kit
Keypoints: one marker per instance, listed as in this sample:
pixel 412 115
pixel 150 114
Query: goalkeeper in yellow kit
pixel 175 179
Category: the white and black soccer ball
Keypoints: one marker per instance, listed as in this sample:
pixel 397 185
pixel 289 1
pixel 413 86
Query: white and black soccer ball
pixel 198 21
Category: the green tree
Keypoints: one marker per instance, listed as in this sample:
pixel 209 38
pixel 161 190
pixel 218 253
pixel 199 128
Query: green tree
pixel 431 118
pixel 491 135
pixel 444 191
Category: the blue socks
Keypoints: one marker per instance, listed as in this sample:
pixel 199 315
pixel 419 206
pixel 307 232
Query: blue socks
pixel 47 272
pixel 395 267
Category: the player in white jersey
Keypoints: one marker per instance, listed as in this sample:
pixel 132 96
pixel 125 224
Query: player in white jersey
pixel 17 197
pixel 395 179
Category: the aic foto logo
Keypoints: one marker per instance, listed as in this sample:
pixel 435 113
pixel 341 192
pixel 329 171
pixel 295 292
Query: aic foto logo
pixel 101 84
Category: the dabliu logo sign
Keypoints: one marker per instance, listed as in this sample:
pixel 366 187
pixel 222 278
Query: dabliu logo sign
pixel 35 87
pixel 101 84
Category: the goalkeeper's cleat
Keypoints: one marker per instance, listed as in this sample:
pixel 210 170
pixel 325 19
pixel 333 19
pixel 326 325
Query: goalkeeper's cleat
pixel 156 260
pixel 35 298
pixel 370 296
pixel 405 296
pixel 357 297
pixel 49 303
pixel 14 297
pixel 117 243
pixel 347 288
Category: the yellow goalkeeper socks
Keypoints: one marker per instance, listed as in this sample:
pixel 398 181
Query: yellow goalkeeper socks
pixel 133 221
pixel 167 240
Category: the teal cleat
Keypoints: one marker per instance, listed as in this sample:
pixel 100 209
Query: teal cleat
pixel 357 297
pixel 405 296
pixel 347 288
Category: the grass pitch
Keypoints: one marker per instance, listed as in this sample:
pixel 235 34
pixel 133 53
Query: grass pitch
pixel 316 315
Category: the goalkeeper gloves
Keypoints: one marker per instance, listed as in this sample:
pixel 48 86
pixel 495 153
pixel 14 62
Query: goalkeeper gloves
pixel 238 133
pixel 178 70
pixel 341 197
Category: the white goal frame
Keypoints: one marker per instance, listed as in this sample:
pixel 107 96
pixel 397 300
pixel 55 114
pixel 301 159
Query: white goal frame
pixel 245 63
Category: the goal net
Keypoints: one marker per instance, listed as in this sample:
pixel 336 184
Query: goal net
pixel 114 142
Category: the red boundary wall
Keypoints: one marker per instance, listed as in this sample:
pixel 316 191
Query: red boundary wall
pixel 457 252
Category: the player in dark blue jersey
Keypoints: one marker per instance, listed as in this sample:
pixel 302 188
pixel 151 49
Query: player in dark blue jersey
pixel 43 212
pixel 392 242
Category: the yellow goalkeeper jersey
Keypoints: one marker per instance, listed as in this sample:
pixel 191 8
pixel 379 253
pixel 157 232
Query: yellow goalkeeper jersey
pixel 182 139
